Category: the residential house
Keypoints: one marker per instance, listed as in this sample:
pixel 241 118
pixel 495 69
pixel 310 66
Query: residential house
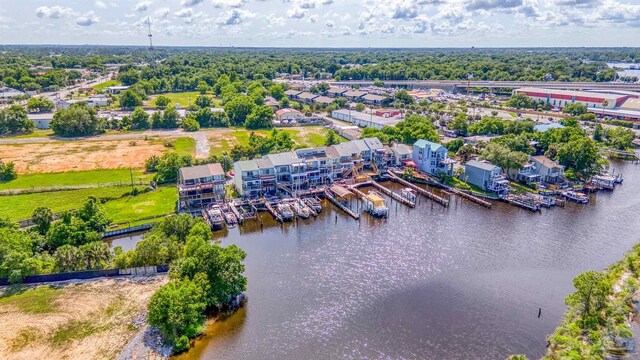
pixel 288 114
pixel 548 170
pixel 336 92
pixel 431 158
pixel 401 154
pixel 373 99
pixel 200 186
pixel 323 100
pixel 306 97
pixel 387 112
pixel 354 95
pixel 292 94
pixel 486 176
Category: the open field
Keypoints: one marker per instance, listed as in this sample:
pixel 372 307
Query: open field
pixel 37 133
pixel 182 98
pixel 88 155
pixel 222 141
pixel 75 178
pixel 73 320
pixel 132 210
pixel 105 85
pixel 20 207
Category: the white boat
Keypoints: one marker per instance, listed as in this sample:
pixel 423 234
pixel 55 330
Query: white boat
pixel 285 211
pixel 213 217
pixel 575 196
pixel 314 203
pixel 375 204
pixel 409 194
pixel 301 210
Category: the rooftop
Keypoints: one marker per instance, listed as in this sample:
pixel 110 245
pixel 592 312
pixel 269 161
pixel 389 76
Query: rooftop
pixel 592 94
pixel 426 143
pixel 374 97
pixel 545 161
pixel 484 165
pixel 401 149
pixel 324 100
pixel 285 158
pixel 545 127
pixel 307 95
pixel 201 171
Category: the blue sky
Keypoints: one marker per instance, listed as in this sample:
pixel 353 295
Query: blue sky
pixel 324 23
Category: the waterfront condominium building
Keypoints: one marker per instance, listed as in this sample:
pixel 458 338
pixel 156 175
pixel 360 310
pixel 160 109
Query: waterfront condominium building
pixel 305 168
pixel 200 186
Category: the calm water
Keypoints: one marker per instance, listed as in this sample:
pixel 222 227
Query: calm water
pixel 462 282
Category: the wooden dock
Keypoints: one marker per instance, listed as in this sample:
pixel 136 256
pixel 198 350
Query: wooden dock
pixel 469 197
pixel 520 202
pixel 273 211
pixel 234 210
pixel 387 192
pixel 337 203
pixel 440 200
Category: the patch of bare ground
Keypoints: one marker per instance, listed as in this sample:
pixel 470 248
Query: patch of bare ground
pixel 91 319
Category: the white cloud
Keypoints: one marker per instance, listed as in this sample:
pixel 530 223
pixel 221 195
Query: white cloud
pixel 228 3
pixel 329 24
pixel 313 19
pixel 184 13
pixel 162 12
pixel 87 19
pixel 54 12
pixel 296 13
pixel 234 17
pixel 101 5
pixel 142 6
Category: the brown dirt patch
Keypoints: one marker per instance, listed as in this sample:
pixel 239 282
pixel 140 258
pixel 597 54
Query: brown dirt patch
pixel 90 320
pixel 79 155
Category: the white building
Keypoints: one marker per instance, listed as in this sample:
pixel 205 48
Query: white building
pixel 364 120
pixel 41 121
pixel 288 114
pixel 116 89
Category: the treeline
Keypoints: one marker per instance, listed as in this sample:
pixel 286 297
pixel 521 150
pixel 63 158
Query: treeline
pixel 71 243
pixel 595 325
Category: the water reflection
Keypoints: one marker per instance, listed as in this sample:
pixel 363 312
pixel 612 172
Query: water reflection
pixel 460 282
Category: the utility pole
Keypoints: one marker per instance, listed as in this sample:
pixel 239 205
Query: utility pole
pixel 131 173
pixel 150 36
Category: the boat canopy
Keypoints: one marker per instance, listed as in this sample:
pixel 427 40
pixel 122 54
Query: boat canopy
pixel 340 191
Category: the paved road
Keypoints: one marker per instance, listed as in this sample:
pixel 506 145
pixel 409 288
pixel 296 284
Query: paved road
pixel 64 92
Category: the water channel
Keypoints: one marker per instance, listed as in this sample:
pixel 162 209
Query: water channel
pixel 462 282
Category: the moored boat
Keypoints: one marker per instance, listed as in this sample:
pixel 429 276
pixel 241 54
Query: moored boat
pixel 375 205
pixel 301 210
pixel 314 203
pixel 575 196
pixel 229 217
pixel 285 211
pixel 213 217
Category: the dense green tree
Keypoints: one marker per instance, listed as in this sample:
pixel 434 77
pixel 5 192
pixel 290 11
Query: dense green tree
pixel 592 289
pixel 261 117
pixel 162 102
pixel 277 92
pixel 360 107
pixel 177 309
pixel 140 119
pixel 454 145
pixel 619 138
pixel 17 256
pixel 238 109
pixel 190 124
pixel 129 77
pixel 69 258
pixel 521 101
pixel 403 97
pixel 14 120
pixel 487 126
pixel 93 214
pixel 581 155
pixel 203 101
pixel 332 138
pixel 8 171
pixel 129 99
pixel 168 166
pixel 203 87
pixel 42 218
pixel 503 157
pixel 40 104
pixel 574 109
pixel 598 133
pixel 460 124
pixel 78 120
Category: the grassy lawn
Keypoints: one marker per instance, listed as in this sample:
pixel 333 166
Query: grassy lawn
pixel 461 185
pixel 131 210
pixel 20 207
pixel 105 85
pixel 185 146
pixel 39 300
pixel 71 178
pixel 37 133
pixel 520 189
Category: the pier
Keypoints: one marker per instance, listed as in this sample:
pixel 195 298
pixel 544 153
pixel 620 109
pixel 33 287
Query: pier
pixel 337 203
pixel 276 215
pixel 440 200
pixel 469 197
pixel 522 202
pixel 234 210
pixel 385 191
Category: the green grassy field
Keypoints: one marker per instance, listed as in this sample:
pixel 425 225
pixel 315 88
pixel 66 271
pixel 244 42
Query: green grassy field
pixel 105 85
pixel 183 98
pixel 185 146
pixel 74 178
pixel 38 300
pixel 131 210
pixel 35 134
pixel 20 207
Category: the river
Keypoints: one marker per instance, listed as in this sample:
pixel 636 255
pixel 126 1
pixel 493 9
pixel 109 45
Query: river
pixel 462 282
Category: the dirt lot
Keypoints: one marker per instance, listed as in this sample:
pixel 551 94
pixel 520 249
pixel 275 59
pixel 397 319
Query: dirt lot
pixel 76 320
pixel 79 155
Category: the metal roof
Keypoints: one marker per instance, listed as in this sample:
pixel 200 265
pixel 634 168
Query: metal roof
pixel 201 171
pixel 373 143
pixel 285 158
pixel 425 143
pixel 484 165
pixel 401 149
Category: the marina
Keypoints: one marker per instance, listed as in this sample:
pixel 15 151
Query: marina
pixel 418 274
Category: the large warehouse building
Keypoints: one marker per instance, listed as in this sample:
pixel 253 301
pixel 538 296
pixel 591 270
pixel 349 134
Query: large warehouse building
pixel 590 99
